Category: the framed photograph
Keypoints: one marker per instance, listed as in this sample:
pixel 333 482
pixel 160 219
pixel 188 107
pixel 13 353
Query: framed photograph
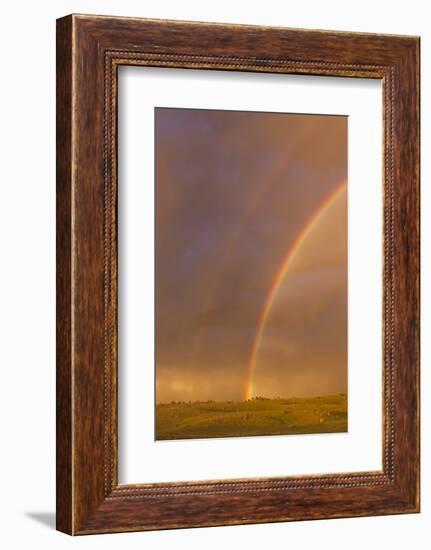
pixel 237 274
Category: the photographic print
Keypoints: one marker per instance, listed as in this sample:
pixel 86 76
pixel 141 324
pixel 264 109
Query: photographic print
pixel 251 273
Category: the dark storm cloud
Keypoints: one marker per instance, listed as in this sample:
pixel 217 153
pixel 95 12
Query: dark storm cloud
pixel 233 191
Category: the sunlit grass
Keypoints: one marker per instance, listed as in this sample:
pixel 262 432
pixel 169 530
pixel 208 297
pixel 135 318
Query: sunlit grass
pixel 257 416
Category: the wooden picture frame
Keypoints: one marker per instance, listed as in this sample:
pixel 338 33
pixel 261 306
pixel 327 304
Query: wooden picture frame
pixel 89 51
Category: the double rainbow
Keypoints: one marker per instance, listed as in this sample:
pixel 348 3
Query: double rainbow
pixel 278 280
pixel 273 178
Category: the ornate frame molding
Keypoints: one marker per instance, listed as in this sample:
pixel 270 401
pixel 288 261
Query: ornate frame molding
pixel 90 49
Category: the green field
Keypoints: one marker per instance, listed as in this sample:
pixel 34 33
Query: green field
pixel 257 416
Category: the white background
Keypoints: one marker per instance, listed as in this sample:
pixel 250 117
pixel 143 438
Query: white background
pixel 27 126
pixel 141 458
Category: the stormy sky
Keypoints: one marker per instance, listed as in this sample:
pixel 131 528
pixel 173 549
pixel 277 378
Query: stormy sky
pixel 234 190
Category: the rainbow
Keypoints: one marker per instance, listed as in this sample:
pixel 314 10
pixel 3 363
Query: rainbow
pixel 255 200
pixel 280 275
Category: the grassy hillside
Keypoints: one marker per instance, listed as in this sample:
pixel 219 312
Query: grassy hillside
pixel 258 416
